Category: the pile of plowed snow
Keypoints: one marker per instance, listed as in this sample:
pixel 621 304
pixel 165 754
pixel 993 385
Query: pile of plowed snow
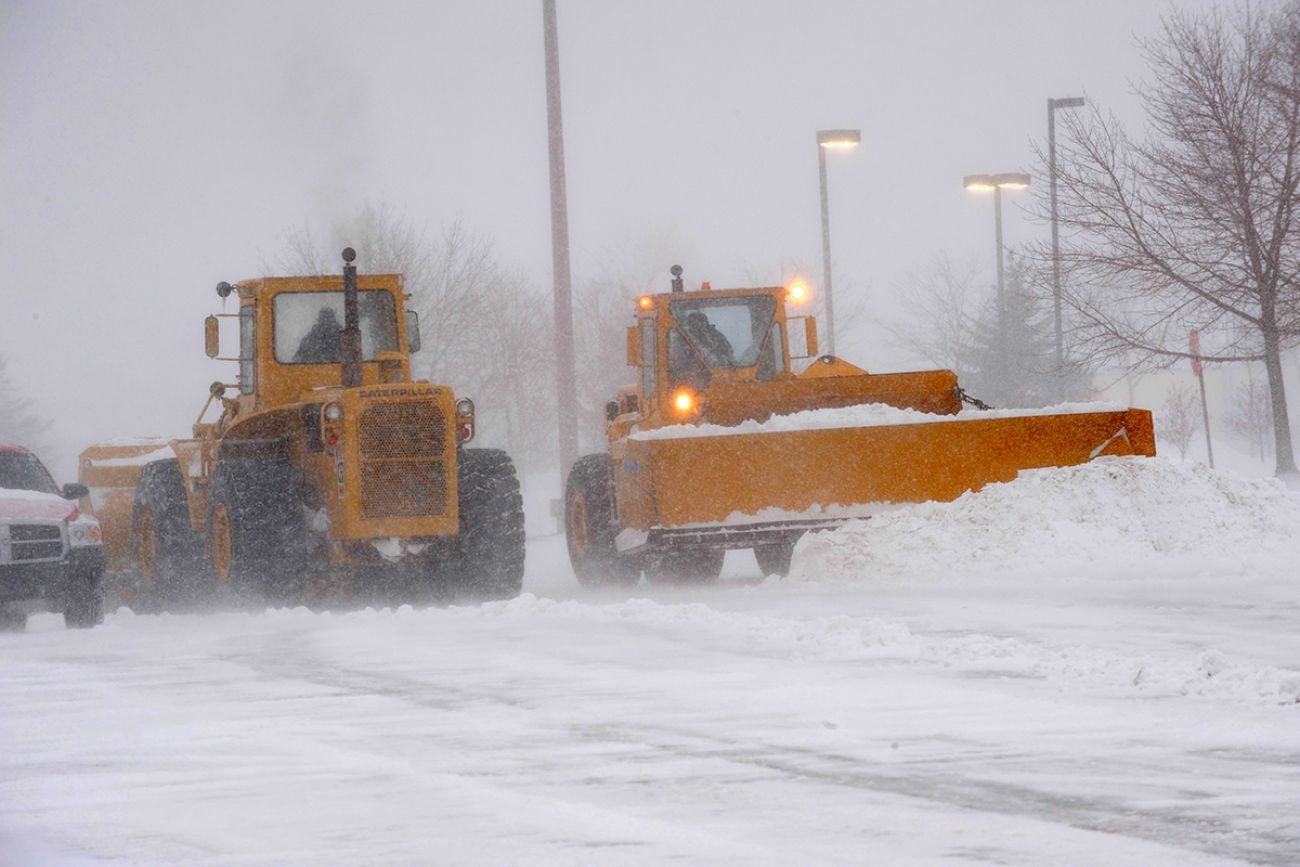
pixel 1110 516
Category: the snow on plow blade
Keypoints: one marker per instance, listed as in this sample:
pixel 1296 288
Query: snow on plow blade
pixel 827 474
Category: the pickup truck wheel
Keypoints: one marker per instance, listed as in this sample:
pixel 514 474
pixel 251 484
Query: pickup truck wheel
pixel 589 526
pixel 84 606
pixel 490 550
pixel 169 563
pixel 686 566
pixel 257 531
pixel 774 558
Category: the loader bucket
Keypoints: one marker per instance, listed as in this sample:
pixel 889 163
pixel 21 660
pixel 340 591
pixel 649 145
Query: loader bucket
pixel 803 476
pixel 110 472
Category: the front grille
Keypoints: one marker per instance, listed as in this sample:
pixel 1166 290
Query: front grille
pixel 403 489
pixel 402 472
pixel 414 429
pixel 29 543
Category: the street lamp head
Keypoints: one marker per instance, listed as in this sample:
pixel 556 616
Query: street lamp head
pixel 1011 180
pixel 840 139
pixel 1000 181
pixel 1067 102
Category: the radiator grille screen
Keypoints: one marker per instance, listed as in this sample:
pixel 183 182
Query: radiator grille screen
pixel 402 472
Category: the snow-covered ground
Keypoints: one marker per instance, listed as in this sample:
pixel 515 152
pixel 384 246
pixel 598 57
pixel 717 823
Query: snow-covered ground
pixel 1092 665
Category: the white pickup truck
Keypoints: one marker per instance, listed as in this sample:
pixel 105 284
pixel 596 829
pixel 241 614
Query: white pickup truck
pixel 49 550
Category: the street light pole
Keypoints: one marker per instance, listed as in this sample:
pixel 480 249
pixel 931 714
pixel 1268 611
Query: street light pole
pixel 995 184
pixel 1052 106
pixel 1002 281
pixel 566 372
pixel 826 139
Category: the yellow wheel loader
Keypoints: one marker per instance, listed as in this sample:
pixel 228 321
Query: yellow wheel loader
pixel 327 466
pixel 721 444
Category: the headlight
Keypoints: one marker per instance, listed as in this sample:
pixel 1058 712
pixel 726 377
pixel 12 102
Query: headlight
pixel 464 408
pixel 85 532
pixel 333 412
pixel 683 401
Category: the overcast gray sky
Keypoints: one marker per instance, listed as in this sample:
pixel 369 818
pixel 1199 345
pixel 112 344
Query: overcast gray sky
pixel 150 149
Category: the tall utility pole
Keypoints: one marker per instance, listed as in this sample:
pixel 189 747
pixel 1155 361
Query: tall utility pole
pixel 839 139
pixel 1052 106
pixel 565 370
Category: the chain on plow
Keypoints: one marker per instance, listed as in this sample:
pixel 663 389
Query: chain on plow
pixel 966 398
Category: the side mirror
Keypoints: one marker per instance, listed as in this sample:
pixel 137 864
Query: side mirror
pixel 412 331
pixel 634 346
pixel 211 340
pixel 611 410
pixel 75 491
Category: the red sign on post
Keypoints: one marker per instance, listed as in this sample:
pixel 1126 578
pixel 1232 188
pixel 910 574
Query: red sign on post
pixel 1194 340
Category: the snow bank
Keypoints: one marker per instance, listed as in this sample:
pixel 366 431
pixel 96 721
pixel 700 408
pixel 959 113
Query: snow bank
pixel 1110 516
pixel 861 415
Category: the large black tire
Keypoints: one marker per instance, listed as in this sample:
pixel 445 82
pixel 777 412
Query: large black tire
pixel 686 566
pixel 489 560
pixel 168 553
pixel 774 558
pixel 589 526
pixel 83 608
pixel 257 528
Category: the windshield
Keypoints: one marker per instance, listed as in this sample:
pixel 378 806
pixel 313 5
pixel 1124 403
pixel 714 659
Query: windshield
pixel 20 471
pixel 727 332
pixel 307 325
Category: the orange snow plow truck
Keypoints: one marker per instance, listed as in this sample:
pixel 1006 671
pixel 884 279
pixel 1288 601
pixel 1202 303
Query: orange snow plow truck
pixel 327 464
pixel 720 444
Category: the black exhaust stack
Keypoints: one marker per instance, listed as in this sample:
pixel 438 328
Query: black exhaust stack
pixel 350 336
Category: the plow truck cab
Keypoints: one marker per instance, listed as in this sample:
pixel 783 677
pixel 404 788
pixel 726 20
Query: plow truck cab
pixel 721 444
pixel 326 463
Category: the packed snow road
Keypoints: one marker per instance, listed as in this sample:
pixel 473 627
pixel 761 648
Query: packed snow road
pixel 900 699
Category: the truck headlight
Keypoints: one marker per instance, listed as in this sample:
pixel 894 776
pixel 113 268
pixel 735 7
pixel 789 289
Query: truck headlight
pixel 85 532
pixel 333 412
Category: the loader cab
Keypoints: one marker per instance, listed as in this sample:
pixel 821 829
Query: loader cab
pixel 289 336
pixel 687 344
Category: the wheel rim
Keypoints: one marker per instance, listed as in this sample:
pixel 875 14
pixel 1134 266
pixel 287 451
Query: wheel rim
pixel 147 545
pixel 577 528
pixel 222 547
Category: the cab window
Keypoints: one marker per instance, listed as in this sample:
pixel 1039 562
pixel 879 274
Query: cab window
pixel 306 325
pixel 247 370
pixel 649 375
pixel 726 332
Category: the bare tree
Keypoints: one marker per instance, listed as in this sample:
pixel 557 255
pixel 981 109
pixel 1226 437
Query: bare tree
pixel 1251 417
pixel 19 423
pixel 1194 226
pixel 943 309
pixel 1179 418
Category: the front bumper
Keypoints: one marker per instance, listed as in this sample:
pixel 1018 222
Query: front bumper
pixel 52 579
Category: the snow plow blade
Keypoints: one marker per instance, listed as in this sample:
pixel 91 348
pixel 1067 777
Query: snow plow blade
pixel 733 488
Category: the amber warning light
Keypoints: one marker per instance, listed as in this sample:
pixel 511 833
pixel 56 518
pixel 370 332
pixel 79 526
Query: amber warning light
pixel 683 401
pixel 797 293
